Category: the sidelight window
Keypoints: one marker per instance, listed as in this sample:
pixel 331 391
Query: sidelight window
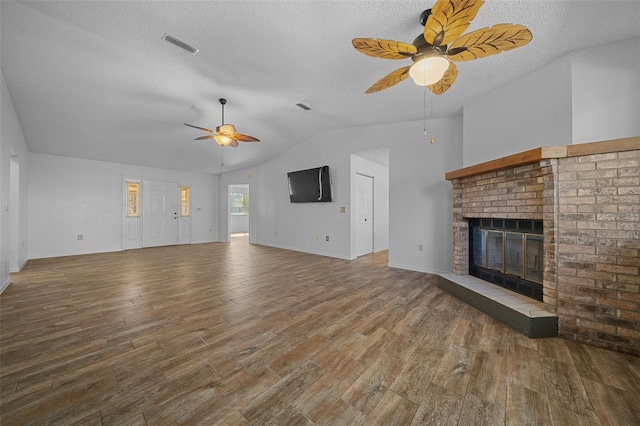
pixel 133 199
pixel 185 204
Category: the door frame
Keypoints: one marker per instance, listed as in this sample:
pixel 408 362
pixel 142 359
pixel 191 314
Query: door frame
pixel 132 227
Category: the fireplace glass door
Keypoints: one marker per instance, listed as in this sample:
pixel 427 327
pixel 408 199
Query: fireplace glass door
pixel 534 258
pixel 509 253
pixel 513 253
pixel 495 250
pixel 479 247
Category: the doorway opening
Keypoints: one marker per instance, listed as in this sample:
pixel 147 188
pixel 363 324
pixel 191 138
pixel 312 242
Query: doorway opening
pixel 239 208
pixel 369 202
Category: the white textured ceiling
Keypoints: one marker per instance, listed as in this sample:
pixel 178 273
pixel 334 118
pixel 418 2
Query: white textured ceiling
pixel 94 79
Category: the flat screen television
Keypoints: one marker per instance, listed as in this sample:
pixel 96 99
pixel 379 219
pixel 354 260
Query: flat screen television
pixel 310 186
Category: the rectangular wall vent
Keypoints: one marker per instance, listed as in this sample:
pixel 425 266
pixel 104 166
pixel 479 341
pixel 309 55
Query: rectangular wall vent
pixel 181 44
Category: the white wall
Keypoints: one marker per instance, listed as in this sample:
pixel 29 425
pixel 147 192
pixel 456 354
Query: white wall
pixel 606 92
pixel 530 112
pixel 420 198
pixel 70 196
pixel 589 95
pixel 13 206
pixel 380 175
pixel 303 226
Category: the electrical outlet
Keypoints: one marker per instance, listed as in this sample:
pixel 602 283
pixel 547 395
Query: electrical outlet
pixel 80 236
pixel 327 238
pixel 419 247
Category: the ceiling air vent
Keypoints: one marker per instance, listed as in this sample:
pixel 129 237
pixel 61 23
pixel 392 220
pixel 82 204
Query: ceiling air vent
pixel 303 106
pixel 173 40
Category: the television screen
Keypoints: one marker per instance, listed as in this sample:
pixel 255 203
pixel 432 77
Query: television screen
pixel 310 186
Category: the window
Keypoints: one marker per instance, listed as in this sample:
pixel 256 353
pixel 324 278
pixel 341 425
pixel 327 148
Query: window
pixel 185 207
pixel 239 203
pixel 133 199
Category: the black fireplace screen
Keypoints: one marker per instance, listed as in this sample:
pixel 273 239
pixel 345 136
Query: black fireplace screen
pixel 508 253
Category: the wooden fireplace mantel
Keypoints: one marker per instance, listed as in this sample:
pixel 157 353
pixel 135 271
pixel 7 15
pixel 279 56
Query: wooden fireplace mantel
pixel 544 153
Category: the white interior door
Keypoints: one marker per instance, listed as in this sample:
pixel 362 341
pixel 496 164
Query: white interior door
pixel 364 215
pixel 159 213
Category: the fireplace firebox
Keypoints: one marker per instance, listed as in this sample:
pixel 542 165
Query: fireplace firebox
pixel 508 253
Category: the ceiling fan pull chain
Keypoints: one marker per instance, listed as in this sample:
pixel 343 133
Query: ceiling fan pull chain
pixel 432 128
pixel 424 107
pixel 424 110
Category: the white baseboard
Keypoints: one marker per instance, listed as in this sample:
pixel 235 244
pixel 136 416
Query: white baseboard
pixel 319 253
pixel 20 266
pixel 413 268
pixel 5 285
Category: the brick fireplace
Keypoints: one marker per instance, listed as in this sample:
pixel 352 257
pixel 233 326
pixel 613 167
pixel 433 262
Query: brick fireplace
pixel 588 199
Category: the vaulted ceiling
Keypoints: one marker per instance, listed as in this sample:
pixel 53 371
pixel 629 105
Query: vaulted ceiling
pixel 96 80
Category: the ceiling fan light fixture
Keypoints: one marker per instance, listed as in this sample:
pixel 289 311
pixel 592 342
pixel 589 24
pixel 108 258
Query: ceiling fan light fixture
pixel 222 140
pixel 428 70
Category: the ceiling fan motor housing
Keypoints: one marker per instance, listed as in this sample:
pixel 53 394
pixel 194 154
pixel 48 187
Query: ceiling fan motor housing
pixel 424 16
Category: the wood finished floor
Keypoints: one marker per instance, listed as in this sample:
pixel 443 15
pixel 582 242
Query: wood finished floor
pixel 243 334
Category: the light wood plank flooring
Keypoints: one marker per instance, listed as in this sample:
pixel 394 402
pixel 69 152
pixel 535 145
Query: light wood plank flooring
pixel 243 334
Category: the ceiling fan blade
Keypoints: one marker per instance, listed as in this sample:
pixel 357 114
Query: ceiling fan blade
pixel 385 49
pixel 201 138
pixel 449 19
pixel 490 41
pixel 446 81
pixel 245 138
pixel 389 80
pixel 201 128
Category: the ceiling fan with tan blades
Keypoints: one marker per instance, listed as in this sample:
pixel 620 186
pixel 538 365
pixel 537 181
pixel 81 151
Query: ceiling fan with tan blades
pixel 225 134
pixel 441 44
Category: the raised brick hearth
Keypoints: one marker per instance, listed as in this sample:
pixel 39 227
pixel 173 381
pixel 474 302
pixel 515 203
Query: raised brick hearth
pixel 588 197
